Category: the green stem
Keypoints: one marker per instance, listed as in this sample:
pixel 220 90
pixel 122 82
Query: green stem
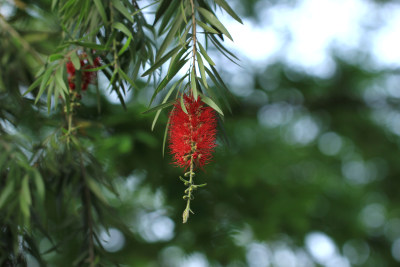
pixel 189 191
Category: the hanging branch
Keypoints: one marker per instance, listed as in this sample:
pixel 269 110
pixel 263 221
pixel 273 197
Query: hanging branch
pixel 192 122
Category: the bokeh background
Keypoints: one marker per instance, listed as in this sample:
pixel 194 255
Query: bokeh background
pixel 307 170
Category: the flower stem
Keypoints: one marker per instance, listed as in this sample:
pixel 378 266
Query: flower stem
pixel 189 191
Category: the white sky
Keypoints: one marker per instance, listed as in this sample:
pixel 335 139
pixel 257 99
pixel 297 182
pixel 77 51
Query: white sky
pixel 302 35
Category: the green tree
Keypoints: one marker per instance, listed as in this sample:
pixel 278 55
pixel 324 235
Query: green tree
pixel 83 180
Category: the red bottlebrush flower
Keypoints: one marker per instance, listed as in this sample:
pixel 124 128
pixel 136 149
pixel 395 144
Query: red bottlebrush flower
pixel 87 77
pixel 70 68
pixel 192 134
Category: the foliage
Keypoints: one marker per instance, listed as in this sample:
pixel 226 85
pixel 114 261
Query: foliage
pixel 77 170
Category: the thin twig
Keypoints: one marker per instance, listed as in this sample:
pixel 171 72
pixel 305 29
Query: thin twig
pixel 194 49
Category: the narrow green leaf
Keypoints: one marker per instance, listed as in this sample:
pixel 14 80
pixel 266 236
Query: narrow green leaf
pixel 126 78
pixel 100 8
pixel 211 103
pixel 158 107
pixel 98 68
pixel 161 61
pixel 164 101
pixel 43 85
pixel 224 50
pixel 205 55
pixel 206 27
pixel 7 191
pixel 39 185
pixel 201 68
pixel 170 36
pixel 183 12
pixel 49 94
pixel 214 21
pixel 60 80
pixel 25 197
pixel 221 87
pixel 122 28
pixel 183 106
pixel 161 10
pixel 33 85
pixel 193 83
pixel 170 15
pixel 177 58
pixel 89 45
pixel 124 11
pixel 95 189
pixel 53 4
pixel 75 60
pixel 165 81
pixel 126 45
pixel 225 5
pixel 54 57
pixel 166 134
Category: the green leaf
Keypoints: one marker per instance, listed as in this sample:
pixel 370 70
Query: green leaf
pixel 7 191
pixel 126 45
pixel 55 57
pixel 177 58
pixel 201 67
pixel 193 83
pixel 126 77
pixel 33 85
pixel 165 134
pixel 158 107
pixel 214 21
pixel 124 11
pixel 170 36
pixel 166 79
pixel 205 55
pixel 60 80
pixel 100 8
pixel 218 85
pixel 89 45
pixel 170 15
pixel 99 68
pixel 223 50
pixel 161 10
pixel 49 94
pixel 183 12
pixel 75 60
pixel 45 80
pixel 161 61
pixel 206 27
pixel 25 197
pixel 122 28
pixel 95 188
pixel 164 101
pixel 224 5
pixel 39 185
pixel 183 104
pixel 211 103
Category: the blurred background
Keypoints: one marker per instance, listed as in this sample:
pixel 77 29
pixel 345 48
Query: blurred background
pixel 309 173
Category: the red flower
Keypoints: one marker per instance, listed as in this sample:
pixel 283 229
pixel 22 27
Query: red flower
pixel 87 76
pixel 192 134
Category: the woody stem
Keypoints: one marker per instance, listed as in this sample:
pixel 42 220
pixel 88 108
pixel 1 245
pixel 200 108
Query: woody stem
pixel 194 37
